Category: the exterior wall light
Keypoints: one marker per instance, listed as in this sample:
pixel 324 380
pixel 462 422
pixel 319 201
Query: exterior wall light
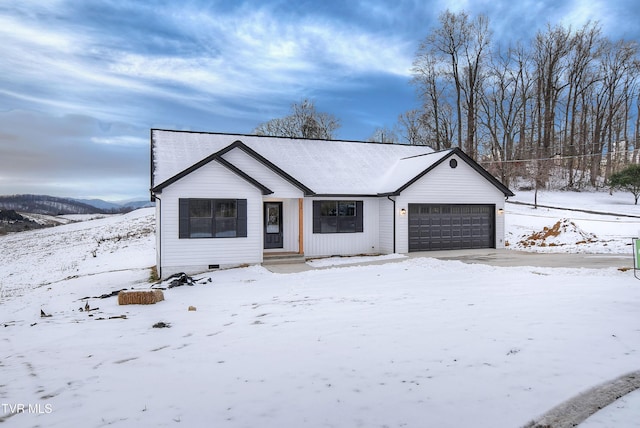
pixel 500 211
pixel 403 211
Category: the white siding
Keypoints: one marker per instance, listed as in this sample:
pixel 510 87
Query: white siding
pixel 195 255
pixel 386 225
pixel 446 185
pixel 329 244
pixel 281 188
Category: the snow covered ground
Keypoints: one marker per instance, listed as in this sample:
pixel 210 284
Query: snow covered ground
pixel 415 343
pixel 43 257
pixel 579 232
pixel 616 203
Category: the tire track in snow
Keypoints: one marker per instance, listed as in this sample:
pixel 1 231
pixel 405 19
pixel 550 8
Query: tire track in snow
pixel 576 410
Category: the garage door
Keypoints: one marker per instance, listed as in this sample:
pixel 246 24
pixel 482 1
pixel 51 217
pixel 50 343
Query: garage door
pixel 451 227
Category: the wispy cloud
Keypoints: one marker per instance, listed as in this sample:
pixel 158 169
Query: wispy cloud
pixel 244 52
pixel 121 140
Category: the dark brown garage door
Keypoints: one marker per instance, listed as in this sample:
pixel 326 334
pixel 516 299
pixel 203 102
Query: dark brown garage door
pixel 451 227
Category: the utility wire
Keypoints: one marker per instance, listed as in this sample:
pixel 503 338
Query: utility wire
pixel 558 157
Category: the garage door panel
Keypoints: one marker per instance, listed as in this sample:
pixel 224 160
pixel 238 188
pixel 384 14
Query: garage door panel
pixel 443 227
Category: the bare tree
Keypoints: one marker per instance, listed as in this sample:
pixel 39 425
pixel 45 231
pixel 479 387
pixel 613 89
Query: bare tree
pixel 426 76
pixel 560 109
pixel 525 96
pixel 384 135
pixel 303 122
pixel 448 41
pixel 587 43
pixel 411 128
pixel 636 139
pixel 607 105
pixel 475 49
pixel 501 107
pixel 619 73
pixel 550 51
pixel 453 53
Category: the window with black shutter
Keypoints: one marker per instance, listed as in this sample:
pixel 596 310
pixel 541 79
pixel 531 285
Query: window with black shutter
pixel 212 218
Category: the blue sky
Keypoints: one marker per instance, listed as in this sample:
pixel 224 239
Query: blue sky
pixel 83 81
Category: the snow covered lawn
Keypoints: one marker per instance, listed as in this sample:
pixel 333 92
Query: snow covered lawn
pixel 47 256
pixel 415 343
pixel 580 232
pixel 616 203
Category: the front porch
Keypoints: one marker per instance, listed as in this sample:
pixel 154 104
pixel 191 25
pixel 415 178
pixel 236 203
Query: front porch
pixel 283 228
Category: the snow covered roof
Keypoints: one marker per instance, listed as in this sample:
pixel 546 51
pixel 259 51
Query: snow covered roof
pixel 318 167
pixel 406 169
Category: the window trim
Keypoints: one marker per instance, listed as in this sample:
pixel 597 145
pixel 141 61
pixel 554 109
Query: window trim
pixel 240 218
pixel 318 217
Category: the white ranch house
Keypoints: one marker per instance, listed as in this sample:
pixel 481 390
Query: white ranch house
pixel 225 200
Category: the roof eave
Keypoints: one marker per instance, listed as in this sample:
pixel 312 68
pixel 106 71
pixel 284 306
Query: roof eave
pixel 345 195
pixel 214 157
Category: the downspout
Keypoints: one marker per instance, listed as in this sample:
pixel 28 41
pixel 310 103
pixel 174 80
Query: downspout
pixel 394 223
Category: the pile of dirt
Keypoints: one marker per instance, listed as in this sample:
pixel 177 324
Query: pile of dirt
pixel 564 232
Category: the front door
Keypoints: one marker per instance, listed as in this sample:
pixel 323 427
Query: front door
pixel 273 225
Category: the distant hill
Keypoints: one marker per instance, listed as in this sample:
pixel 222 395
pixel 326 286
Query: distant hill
pixel 136 203
pixel 51 205
pixel 100 204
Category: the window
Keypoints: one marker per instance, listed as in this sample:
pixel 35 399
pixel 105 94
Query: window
pixel 200 218
pixel 213 218
pixel 337 216
pixel 225 219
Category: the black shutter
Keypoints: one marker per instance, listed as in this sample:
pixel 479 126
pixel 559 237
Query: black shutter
pixel 316 217
pixel 241 222
pixel 359 216
pixel 183 218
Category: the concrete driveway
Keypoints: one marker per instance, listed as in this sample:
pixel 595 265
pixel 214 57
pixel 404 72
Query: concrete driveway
pixel 521 258
pixel 493 257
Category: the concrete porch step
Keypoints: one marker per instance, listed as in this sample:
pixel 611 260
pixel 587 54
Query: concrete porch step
pixel 282 258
